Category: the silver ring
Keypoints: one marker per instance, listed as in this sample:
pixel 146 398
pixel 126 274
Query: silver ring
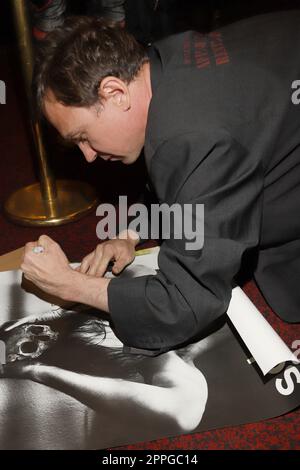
pixel 38 249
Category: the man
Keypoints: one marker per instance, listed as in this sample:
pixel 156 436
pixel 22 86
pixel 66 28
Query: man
pixel 219 123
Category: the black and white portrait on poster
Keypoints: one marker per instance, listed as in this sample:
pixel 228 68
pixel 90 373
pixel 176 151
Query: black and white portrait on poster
pixel 69 383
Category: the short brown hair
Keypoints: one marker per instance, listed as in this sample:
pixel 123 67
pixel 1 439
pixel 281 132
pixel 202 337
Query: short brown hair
pixel 73 60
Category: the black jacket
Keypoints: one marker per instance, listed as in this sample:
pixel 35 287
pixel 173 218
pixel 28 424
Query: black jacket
pixel 222 131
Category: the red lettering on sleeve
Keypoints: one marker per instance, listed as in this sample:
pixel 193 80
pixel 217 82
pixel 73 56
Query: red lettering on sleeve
pixel 218 48
pixel 201 53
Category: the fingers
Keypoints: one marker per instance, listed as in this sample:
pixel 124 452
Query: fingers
pixel 28 248
pixel 50 248
pixel 27 276
pixel 26 260
pixel 43 241
pixel 96 263
pixel 121 263
pixel 46 241
pixel 104 254
pixel 86 263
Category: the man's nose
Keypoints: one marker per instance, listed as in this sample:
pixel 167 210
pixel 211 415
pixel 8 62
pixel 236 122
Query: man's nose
pixel 89 154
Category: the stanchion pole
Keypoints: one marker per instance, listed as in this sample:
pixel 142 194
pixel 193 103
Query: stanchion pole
pixel 47 202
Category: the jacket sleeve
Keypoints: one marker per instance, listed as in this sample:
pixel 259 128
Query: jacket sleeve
pixel 193 286
pixel 147 198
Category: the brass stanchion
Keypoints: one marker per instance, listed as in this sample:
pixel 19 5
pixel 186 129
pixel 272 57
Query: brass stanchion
pixel 48 202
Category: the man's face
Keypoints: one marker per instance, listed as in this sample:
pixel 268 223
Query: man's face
pixel 109 130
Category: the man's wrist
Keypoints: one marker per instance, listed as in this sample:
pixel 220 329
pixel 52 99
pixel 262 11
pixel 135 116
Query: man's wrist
pixel 88 290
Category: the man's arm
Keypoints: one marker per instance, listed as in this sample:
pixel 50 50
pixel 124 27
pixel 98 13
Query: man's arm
pixel 51 272
pixel 88 290
pixel 193 287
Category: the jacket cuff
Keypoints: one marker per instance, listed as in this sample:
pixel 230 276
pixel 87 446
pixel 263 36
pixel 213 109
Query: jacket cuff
pixel 132 324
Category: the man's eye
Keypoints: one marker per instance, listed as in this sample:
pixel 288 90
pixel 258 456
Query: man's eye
pixel 79 140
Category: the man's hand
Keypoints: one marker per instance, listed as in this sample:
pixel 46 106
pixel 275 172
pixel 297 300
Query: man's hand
pixel 121 250
pixel 51 272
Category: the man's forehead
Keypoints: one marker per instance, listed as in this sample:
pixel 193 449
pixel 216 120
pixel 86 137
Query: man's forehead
pixel 68 120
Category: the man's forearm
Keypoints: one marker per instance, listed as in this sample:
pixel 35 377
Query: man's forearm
pixel 88 290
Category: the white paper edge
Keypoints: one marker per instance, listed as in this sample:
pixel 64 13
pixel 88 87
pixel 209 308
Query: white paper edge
pixel 265 345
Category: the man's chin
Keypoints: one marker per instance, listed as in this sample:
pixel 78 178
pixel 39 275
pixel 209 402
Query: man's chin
pixel 125 159
pixel 129 159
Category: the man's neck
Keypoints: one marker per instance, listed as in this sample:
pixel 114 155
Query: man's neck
pixel 147 79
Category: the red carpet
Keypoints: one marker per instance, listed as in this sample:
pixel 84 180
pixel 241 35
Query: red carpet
pixel 79 238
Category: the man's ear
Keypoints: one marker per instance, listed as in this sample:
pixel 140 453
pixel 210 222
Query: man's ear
pixel 114 89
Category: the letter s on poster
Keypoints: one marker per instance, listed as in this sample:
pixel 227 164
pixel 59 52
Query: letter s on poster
pixel 286 386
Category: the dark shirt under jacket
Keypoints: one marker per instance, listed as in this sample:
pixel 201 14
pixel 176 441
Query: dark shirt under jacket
pixel 222 131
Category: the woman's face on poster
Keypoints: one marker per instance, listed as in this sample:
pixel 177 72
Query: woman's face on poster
pixel 30 341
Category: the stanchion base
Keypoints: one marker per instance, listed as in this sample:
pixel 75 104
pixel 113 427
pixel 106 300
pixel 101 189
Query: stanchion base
pixel 74 200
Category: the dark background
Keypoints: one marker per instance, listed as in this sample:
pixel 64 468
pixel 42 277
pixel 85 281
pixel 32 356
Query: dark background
pixel 182 14
pixel 147 25
pixel 18 169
